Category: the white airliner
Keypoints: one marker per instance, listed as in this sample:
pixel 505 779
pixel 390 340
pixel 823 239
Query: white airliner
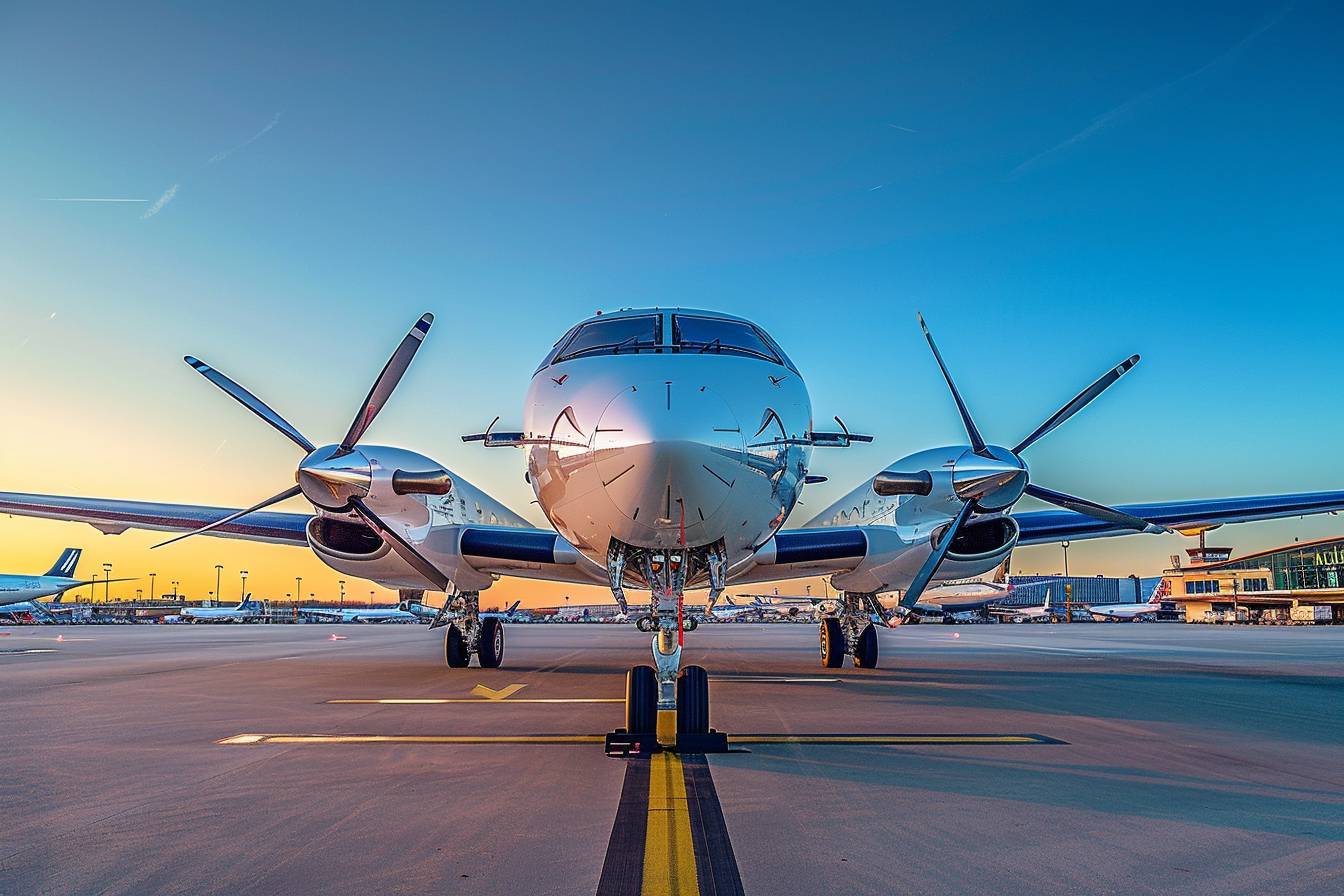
pixel 1126 612
pixel 359 614
pixel 1043 613
pixel 20 589
pixel 246 611
pixel 667 447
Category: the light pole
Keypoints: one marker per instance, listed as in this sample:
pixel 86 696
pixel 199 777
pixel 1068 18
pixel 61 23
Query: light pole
pixel 139 593
pixel 242 595
pixel 107 584
pixel 298 588
pixel 218 569
pixel 342 584
pixel 92 583
pixel 370 597
pixel 174 590
pixel 151 585
pixel 1065 546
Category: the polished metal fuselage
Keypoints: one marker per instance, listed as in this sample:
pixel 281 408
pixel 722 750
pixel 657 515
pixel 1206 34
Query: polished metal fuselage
pixel 654 449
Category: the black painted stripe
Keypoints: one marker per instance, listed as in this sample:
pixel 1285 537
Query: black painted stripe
pixel 623 869
pixel 715 864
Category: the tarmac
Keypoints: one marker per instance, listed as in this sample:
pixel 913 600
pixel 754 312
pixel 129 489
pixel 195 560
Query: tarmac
pixel 1040 759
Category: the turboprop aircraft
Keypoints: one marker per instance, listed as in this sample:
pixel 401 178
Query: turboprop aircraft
pixel 667 448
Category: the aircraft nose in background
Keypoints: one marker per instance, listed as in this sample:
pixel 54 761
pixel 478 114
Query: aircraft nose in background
pixel 661 446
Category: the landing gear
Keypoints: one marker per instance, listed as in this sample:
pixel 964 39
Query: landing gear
pixel 455 648
pixel 468 633
pixel 641 700
pixel 693 701
pixel 832 643
pixel 865 648
pixel 666 687
pixel 491 647
pixel 851 631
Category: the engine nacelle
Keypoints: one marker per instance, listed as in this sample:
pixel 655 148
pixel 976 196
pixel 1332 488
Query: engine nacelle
pixel 892 561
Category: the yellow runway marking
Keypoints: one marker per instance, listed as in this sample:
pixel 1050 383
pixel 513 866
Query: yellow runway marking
pixel 436 701
pixel 503 693
pixel 669 857
pixel 411 739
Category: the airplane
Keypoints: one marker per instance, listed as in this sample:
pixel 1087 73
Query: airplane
pixel 667 449
pixel 21 589
pixel 1127 612
pixel 954 600
pixel 792 608
pixel 361 614
pixel 1043 613
pixel 247 610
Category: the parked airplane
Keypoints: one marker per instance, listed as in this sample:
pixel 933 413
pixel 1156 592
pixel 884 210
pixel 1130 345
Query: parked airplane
pixel 359 614
pixel 667 448
pixel 20 589
pixel 1044 613
pixel 954 599
pixel 1126 612
pixel 246 611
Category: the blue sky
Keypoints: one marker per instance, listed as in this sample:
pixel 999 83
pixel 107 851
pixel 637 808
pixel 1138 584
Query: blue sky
pixel 1054 186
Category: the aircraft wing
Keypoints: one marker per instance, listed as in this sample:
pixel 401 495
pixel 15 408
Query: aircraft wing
pixel 1044 526
pixel 497 550
pixel 112 517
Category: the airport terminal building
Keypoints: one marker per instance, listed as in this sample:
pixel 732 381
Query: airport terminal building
pixel 1263 586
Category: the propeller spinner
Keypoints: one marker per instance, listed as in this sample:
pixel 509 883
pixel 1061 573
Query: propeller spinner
pixel 337 477
pixel 992 478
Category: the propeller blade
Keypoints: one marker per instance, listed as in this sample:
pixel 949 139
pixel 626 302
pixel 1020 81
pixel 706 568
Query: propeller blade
pixel 387 381
pixel 1080 401
pixel 977 443
pixel 930 567
pixel 1092 509
pixel 250 401
pixel 274 499
pixel 401 546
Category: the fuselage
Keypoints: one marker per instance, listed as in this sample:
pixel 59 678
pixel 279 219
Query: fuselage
pixel 660 427
pixel 19 589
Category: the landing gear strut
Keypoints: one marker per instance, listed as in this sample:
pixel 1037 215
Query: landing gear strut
pixel 665 690
pixel 850 632
pixel 467 633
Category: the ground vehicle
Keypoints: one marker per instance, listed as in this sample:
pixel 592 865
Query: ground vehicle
pixel 1311 615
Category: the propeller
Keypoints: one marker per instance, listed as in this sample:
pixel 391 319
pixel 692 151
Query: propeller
pixel 993 477
pixel 328 481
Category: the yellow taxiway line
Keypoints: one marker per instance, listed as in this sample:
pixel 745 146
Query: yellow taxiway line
pixel 669 856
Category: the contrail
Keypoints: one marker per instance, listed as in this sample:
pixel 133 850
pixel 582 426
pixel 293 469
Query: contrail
pixel 1105 119
pixel 159 203
pixel 86 199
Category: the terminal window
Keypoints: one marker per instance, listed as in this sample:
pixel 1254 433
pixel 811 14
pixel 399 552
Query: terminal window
pixel 1255 585
pixel 1202 586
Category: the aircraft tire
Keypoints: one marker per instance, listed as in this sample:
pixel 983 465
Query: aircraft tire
pixel 693 701
pixel 641 700
pixel 491 650
pixel 865 651
pixel 832 643
pixel 455 648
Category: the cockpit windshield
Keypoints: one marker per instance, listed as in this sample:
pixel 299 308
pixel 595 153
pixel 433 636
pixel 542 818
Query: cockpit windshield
pixel 716 335
pixel 613 336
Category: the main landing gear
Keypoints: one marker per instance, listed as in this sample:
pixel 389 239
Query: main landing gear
pixel 469 634
pixel 850 632
pixel 666 705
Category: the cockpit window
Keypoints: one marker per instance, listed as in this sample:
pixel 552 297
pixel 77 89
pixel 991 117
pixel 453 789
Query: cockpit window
pixel 614 336
pixel 716 335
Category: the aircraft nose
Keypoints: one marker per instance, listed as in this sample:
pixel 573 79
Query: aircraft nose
pixel 663 449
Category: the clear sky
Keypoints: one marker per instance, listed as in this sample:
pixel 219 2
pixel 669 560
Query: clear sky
pixel 1055 186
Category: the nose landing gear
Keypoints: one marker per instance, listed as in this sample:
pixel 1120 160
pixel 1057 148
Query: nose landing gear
pixel 667 706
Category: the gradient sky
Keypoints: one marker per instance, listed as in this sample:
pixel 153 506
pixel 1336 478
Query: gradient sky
pixel 1055 186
